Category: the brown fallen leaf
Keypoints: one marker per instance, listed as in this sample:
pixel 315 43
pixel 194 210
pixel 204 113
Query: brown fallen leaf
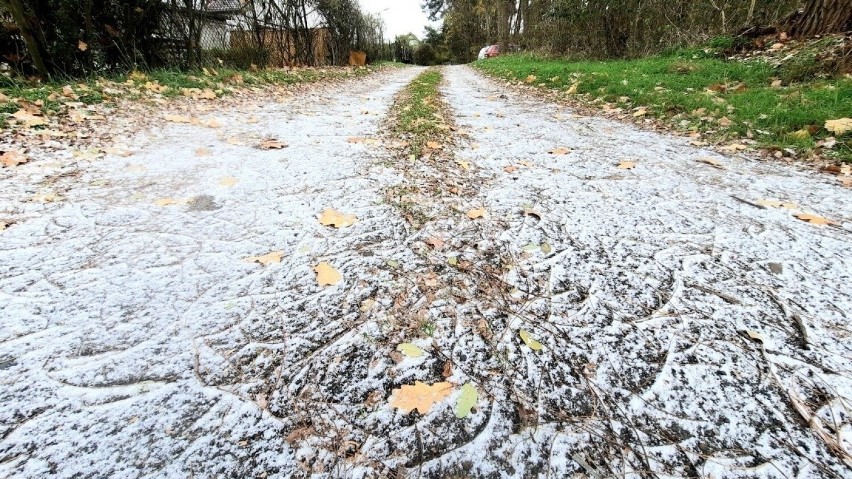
pixel 420 396
pixel 435 242
pixel 433 145
pixel 778 204
pixel 640 112
pixel 202 152
pixel 327 275
pixel 272 144
pixel 560 151
pixel 627 165
pixel 267 259
pixel 477 213
pixel 29 119
pixel 12 158
pixel 330 217
pixel 815 219
pixel 171 202
pixel 712 162
pixel 510 169
pixel 846 181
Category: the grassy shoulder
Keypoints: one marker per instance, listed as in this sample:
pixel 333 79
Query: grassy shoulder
pixel 418 113
pixel 695 92
pixel 52 99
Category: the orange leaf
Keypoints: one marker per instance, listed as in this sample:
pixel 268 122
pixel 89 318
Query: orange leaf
pixel 420 396
pixel 267 259
pixel 816 220
pixel 327 275
pixel 330 217
pixel 476 213
pixel 272 145
pixel 12 158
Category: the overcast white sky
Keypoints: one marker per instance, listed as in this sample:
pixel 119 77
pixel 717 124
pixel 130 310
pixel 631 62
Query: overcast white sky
pixel 402 16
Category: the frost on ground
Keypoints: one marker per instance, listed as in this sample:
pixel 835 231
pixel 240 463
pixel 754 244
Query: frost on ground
pixel 687 330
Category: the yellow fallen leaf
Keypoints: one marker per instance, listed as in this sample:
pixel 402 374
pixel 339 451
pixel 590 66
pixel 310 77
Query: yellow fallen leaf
pixel 627 165
pixel 267 259
pixel 466 401
pixel 573 89
pixel 560 151
pixel 712 162
pixel 477 213
pixel 330 217
pixel 531 79
pixel 420 396
pixel 45 198
pixel 800 135
pixel 777 204
pixel 228 181
pixel 433 145
pixel 640 112
pixel 178 119
pixel 3 225
pixel 327 275
pixel 202 152
pixel 410 350
pixel 530 342
pixel 29 119
pixel 815 219
pixel 171 201
pixel 840 126
pixel 464 165
pixel 272 145
pixel 207 94
pixel 12 158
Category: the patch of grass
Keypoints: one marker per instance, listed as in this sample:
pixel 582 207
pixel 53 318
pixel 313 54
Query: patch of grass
pixel 419 111
pixel 693 91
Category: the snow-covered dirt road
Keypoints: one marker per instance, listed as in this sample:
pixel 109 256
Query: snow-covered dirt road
pixel 687 330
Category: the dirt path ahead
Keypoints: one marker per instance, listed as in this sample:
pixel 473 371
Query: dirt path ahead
pixel 686 330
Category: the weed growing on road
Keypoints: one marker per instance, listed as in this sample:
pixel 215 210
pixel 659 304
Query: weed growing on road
pixel 695 92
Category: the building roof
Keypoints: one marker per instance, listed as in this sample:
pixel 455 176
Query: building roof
pixel 223 6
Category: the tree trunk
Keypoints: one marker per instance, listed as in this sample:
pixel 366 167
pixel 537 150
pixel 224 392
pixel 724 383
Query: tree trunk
pixel 821 17
pixel 34 47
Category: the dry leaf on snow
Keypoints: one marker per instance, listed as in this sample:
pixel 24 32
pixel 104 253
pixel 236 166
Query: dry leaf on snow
pixel 433 145
pixel 29 119
pixel 815 219
pixel 463 165
pixel 202 152
pixel 435 242
pixel 712 162
pixel 272 144
pixel 476 213
pixel 529 341
pixel 178 119
pixel 510 169
pixel 466 401
pixel 172 201
pixel 420 396
pixel 627 165
pixel 330 217
pixel 560 151
pixel 327 275
pixel 410 350
pixel 267 259
pixel 12 158
pixel 778 204
pixel 228 181
pixel 3 225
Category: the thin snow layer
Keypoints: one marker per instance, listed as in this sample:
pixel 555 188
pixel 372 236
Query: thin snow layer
pixel 686 332
pixel 135 339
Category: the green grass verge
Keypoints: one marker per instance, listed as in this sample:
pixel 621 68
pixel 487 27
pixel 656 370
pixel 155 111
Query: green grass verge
pixel 162 83
pixel 678 88
pixel 419 111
